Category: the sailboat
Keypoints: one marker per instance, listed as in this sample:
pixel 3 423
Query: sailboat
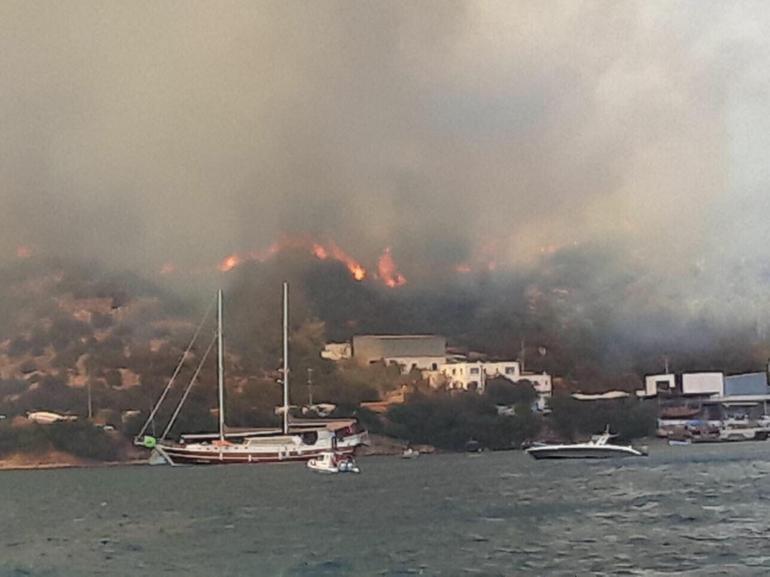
pixel 293 442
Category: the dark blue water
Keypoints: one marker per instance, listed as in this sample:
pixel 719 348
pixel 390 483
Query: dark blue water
pixel 698 510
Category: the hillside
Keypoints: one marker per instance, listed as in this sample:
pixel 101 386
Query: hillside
pixel 69 331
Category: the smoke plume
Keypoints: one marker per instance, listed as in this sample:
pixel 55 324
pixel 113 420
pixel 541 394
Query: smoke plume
pixel 450 136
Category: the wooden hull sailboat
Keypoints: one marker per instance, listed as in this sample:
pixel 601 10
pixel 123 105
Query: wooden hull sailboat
pixel 340 437
pixel 293 442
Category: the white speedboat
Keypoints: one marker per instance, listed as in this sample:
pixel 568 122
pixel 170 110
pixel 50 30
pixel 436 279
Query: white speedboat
pixel 598 448
pixel 334 463
pixel 410 453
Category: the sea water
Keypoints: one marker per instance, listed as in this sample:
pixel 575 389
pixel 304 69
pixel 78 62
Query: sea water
pixel 696 510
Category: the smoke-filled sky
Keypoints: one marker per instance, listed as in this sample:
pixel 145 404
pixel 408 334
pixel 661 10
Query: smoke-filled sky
pixel 148 132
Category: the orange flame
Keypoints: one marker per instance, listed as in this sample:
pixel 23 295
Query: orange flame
pixel 334 251
pixel 387 271
pixel 230 263
pixel 329 250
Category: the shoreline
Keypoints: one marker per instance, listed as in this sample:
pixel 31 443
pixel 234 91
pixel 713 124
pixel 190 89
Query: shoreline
pixel 58 460
pixel 380 447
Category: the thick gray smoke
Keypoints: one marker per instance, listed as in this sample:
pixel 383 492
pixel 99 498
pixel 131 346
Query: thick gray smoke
pixel 141 133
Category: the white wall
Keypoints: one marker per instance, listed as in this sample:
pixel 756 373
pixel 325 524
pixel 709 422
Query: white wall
pixel 510 369
pixel 462 375
pixel 421 363
pixel 336 351
pixel 651 381
pixel 703 383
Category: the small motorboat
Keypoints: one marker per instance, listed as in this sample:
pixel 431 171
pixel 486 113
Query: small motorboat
pixel 598 448
pixel 410 453
pixel 334 463
pixel 679 442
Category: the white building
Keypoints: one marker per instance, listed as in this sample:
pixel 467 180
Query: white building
pixel 692 384
pixel 654 384
pixel 703 384
pixel 408 351
pixel 337 351
pixel 474 376
pixel 408 364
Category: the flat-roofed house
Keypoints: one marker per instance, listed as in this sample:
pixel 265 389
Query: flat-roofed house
pixel 408 351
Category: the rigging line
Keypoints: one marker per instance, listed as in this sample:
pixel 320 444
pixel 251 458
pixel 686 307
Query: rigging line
pixel 162 397
pixel 187 390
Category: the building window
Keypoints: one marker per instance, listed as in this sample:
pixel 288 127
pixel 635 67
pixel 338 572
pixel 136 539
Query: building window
pixel 475 371
pixel 510 370
pixel 434 366
pixel 454 371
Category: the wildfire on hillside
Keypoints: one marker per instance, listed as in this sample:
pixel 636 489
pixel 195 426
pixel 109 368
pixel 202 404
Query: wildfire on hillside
pixel 387 271
pixel 230 263
pixel 322 250
pixel 333 251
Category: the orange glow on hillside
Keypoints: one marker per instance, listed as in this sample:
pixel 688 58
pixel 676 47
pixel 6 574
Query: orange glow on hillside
pixel 230 263
pixel 332 250
pixel 322 251
pixel 387 271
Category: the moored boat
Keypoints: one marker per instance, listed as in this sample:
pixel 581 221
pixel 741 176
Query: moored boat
pixel 679 442
pixel 331 462
pixel 293 442
pixel 410 453
pixel 598 448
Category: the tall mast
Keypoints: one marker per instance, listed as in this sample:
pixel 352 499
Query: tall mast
pixel 285 358
pixel 220 368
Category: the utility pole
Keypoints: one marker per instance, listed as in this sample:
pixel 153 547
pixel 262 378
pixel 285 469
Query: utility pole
pixel 285 358
pixel 309 387
pixel 90 402
pixel 521 355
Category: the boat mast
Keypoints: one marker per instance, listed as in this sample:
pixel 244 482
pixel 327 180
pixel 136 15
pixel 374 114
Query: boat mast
pixel 285 358
pixel 220 368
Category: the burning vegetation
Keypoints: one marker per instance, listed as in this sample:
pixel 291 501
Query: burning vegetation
pixel 66 329
pixel 387 271
pixel 329 250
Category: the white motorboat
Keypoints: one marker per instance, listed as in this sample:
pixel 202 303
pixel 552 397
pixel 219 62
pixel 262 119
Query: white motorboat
pixel 334 463
pixel 598 448
pixel 679 442
pixel 410 453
